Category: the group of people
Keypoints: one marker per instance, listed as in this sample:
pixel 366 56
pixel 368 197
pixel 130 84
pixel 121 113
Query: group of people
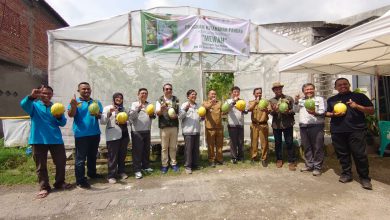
pixel 347 131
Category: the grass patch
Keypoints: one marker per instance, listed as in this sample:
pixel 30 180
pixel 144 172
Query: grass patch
pixel 18 168
pixel 15 166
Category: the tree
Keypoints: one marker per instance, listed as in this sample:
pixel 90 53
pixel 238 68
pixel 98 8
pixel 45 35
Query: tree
pixel 221 83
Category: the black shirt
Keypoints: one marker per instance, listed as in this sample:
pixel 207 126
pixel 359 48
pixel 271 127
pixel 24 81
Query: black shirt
pixel 353 119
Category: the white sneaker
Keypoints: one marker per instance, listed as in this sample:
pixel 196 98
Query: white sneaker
pixel 123 176
pixel 188 171
pixel 138 175
pixel 112 180
pixel 149 170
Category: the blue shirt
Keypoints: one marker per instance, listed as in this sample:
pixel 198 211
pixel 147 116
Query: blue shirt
pixel 44 126
pixel 84 123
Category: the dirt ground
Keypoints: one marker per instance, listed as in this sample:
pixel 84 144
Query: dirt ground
pixel 221 193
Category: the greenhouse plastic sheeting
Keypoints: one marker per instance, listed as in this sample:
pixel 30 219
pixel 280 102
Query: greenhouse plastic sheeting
pixel 108 55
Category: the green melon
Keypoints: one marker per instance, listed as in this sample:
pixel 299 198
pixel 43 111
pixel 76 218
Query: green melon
pixel 283 107
pixel 225 107
pixel 310 104
pixel 263 104
pixel 93 108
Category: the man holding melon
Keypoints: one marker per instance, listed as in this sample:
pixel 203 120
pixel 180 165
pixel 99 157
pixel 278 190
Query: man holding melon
pixel 141 116
pixel 282 124
pixel 86 113
pixel 236 124
pixel 214 129
pixel 117 137
pixel 348 130
pixel 190 115
pixel 167 108
pixel 45 135
pixel 311 111
pixel 259 126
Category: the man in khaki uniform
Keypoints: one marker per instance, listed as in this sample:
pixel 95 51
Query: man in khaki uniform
pixel 214 129
pixel 259 128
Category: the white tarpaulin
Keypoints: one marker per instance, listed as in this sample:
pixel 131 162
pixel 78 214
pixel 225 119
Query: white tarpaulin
pixel 362 50
pixel 194 33
pixel 16 132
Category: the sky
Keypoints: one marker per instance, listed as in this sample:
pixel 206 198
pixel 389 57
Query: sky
pixel 77 12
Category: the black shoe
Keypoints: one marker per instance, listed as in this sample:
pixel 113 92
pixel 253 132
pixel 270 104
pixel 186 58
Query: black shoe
pixel 219 163
pixel 84 185
pixel 345 179
pixel 264 163
pixel 212 164
pixel 366 184
pixel 234 161
pixel 96 176
pixel 253 162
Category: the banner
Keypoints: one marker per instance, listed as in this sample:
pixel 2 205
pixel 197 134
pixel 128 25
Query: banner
pixel 168 33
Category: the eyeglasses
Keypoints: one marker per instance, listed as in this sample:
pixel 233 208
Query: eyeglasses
pixel 168 89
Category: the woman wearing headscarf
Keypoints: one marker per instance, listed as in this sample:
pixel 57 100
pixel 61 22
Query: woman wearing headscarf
pixel 117 137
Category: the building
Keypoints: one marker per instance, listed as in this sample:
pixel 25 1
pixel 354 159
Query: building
pixel 23 49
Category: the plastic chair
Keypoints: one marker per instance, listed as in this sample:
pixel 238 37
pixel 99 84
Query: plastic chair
pixel 384 129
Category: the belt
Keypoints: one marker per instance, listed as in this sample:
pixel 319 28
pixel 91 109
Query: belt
pixel 259 123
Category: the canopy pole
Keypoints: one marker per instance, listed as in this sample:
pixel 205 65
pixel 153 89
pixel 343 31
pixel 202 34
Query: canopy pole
pixel 203 96
pixel 377 92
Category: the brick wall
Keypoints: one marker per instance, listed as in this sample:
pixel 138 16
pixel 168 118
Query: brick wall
pixel 23 50
pixel 23 26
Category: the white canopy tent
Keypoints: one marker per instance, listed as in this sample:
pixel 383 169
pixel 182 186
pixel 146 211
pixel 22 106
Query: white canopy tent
pixel 108 55
pixel 361 50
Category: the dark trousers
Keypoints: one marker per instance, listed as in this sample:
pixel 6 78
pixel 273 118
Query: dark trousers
pixel 351 143
pixel 312 137
pixel 117 151
pixel 236 135
pixel 140 150
pixel 86 149
pixel 191 151
pixel 57 152
pixel 288 138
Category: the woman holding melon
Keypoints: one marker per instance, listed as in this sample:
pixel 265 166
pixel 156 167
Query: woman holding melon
pixel 141 116
pixel 117 137
pixel 311 111
pixel 348 130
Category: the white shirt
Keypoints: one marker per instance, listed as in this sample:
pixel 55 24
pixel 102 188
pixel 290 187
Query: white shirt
pixel 305 117
pixel 235 116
